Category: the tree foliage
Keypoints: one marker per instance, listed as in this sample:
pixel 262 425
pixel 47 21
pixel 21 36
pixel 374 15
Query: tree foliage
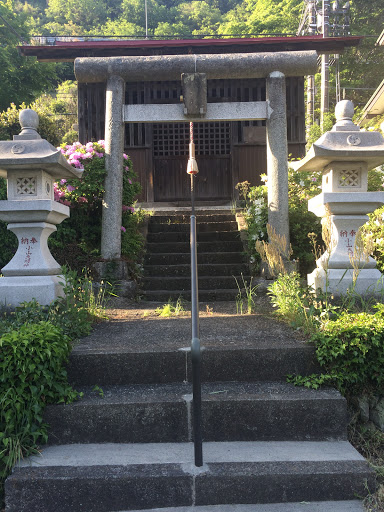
pixel 22 79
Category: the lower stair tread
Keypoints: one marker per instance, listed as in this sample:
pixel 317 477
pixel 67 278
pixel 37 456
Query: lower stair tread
pixel 117 477
pixel 123 454
pixel 304 506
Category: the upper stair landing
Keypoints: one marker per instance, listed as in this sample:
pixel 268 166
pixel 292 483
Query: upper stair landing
pixel 220 256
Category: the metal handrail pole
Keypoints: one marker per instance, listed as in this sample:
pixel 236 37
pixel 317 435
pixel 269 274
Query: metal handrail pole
pixel 195 345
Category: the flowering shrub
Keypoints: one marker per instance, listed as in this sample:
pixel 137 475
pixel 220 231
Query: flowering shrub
pixel 82 231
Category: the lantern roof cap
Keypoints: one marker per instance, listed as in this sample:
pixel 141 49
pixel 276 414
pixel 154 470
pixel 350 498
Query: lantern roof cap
pixel 344 143
pixel 29 151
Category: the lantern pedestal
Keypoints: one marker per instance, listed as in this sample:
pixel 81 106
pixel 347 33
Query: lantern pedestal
pixel 33 272
pixel 342 281
pixel 343 266
pixel 44 289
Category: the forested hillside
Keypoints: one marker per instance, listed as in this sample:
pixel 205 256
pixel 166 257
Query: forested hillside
pixel 24 79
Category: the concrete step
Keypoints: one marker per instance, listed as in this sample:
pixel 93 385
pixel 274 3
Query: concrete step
pixel 202 258
pixel 184 247
pixel 241 348
pixel 204 295
pixel 231 411
pixel 184 283
pixel 185 219
pixel 209 236
pixel 200 227
pixel 219 269
pixel 102 478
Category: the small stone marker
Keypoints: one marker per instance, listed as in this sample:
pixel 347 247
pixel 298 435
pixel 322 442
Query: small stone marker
pixel 345 154
pixel 31 166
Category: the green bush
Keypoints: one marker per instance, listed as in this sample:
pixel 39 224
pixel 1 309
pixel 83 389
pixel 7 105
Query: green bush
pixel 10 126
pixel 256 216
pixel 350 349
pixel 35 342
pixel 32 375
pixel 8 239
pixel 373 235
pixel 302 186
pixel 349 345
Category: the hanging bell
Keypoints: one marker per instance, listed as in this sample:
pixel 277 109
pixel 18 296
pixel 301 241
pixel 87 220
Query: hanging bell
pixel 192 164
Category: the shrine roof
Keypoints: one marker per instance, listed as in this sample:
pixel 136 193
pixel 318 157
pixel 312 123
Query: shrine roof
pixel 69 48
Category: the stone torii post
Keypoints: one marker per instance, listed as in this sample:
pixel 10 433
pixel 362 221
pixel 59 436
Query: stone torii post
pixel 116 71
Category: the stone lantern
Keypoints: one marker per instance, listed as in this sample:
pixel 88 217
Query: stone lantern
pixel 31 166
pixel 345 154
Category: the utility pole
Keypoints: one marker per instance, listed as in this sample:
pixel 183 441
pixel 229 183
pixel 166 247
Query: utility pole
pixel 308 25
pixel 324 106
pixel 316 19
pixel 311 79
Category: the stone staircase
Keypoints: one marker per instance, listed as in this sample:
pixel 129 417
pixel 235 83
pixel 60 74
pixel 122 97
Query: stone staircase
pixel 268 446
pixel 220 257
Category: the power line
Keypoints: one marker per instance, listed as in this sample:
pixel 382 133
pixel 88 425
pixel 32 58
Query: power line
pixel 12 29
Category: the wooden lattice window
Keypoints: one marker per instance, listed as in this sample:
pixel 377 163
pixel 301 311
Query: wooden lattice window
pixel 172 139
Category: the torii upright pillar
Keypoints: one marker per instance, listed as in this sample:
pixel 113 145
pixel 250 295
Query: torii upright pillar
pixel 277 155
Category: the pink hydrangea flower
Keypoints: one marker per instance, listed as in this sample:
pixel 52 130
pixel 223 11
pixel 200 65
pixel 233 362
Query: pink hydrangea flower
pixel 123 229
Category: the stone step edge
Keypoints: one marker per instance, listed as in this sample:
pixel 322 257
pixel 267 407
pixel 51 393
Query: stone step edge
pixel 120 454
pixel 176 280
pixel 304 506
pixel 230 294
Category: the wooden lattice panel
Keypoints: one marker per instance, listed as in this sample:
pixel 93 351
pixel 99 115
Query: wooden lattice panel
pixel 172 139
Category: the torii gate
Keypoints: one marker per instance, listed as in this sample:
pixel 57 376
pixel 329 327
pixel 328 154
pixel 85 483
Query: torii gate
pixel 116 71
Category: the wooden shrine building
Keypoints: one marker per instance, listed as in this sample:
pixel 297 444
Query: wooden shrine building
pixel 228 152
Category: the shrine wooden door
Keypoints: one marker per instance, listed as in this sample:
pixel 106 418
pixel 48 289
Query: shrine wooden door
pixel 170 156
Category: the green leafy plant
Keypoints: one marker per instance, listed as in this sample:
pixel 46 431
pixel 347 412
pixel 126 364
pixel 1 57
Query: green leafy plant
pixel 35 342
pixel 351 351
pixel 10 126
pixel 99 391
pixel 171 308
pixel 32 375
pixel 294 302
pixel 373 235
pixel 246 295
pixel 302 186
